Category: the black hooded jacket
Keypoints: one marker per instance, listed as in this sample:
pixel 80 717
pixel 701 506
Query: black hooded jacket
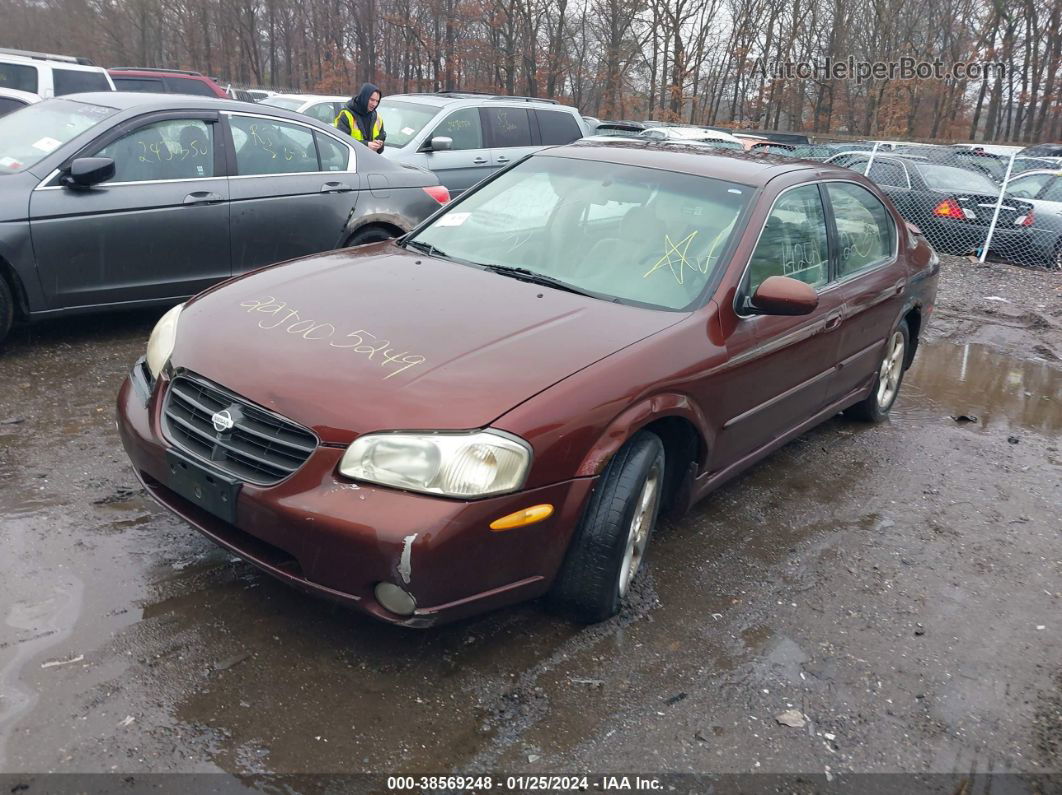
pixel 358 105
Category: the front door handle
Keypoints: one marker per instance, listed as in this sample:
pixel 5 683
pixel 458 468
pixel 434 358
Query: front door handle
pixel 203 197
pixel 832 323
pixel 479 161
pixel 335 187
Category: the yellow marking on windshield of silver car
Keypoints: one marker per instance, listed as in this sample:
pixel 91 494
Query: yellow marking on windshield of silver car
pixel 361 341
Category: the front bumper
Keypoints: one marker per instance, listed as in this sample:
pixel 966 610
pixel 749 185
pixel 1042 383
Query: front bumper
pixel 337 539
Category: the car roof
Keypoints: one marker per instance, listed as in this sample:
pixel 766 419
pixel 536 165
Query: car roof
pixel 451 98
pixel 145 102
pixel 21 59
pixel 727 164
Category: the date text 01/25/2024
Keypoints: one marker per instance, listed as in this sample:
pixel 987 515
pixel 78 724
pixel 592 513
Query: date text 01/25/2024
pixel 527 783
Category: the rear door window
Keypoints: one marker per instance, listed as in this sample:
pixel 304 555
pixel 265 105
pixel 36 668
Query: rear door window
pixel 266 146
pixel 508 127
pixel 864 228
pixel 889 174
pixel 71 81
pixel 185 85
pixel 18 76
pixel 463 127
pixel 557 127
pixel 171 149
pixel 334 156
pixel 144 84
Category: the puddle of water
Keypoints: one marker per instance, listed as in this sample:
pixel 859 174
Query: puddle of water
pixel 1002 392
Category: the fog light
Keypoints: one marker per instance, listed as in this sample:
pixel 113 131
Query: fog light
pixel 395 599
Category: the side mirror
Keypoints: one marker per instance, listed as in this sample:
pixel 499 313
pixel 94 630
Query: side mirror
pixel 440 143
pixel 781 295
pixel 88 171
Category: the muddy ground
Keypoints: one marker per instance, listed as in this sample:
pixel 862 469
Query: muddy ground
pixel 899 586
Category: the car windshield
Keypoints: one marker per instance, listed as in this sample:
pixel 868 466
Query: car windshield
pixel 636 235
pixel 29 135
pixel 286 103
pixel 403 120
pixel 949 178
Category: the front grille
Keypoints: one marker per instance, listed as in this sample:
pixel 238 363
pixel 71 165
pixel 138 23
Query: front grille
pixel 259 447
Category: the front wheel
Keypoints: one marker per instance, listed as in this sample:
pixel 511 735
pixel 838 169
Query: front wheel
pixel 609 545
pixel 875 407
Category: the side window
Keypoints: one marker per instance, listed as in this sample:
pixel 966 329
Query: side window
pixel 1027 187
pixel 1054 191
pixel 334 156
pixel 508 127
pixel 557 127
pixel 171 149
pixel 322 111
pixel 184 85
pixel 23 78
pixel 147 84
pixel 71 81
pixel 264 146
pixel 7 105
pixel 463 126
pixel 794 241
pixel 890 174
pixel 865 231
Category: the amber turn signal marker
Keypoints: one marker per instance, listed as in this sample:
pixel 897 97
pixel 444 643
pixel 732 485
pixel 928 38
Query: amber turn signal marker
pixel 536 513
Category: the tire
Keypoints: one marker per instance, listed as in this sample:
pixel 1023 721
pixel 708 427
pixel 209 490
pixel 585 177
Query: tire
pixel 1055 262
pixel 875 407
pixel 369 234
pixel 609 545
pixel 7 309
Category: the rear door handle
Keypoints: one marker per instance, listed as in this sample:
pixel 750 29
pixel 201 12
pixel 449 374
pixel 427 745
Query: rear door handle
pixel 335 187
pixel 898 287
pixel 503 159
pixel 203 197
pixel 479 161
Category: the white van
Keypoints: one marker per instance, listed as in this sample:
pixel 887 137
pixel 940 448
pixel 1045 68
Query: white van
pixel 49 75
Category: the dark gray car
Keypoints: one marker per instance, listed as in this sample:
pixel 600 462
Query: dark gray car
pixel 128 199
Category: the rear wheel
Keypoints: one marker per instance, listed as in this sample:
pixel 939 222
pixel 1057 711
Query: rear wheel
pixel 1055 262
pixel 370 234
pixel 875 408
pixel 609 545
pixel 7 309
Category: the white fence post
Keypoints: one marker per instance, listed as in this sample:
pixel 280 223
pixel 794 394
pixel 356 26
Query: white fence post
pixel 870 160
pixel 999 204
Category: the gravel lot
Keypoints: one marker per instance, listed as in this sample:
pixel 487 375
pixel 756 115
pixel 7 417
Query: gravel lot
pixel 896 589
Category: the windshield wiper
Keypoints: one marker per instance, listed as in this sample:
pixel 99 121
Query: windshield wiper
pixel 427 248
pixel 525 275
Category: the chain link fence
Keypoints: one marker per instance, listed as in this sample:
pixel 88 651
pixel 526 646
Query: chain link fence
pixel 969 201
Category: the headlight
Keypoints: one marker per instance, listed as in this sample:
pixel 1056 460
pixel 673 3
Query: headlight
pixel 452 464
pixel 162 339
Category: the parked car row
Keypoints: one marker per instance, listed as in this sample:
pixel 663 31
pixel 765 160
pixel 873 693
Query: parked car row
pixel 956 206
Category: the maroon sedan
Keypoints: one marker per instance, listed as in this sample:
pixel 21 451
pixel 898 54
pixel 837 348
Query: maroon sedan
pixel 499 405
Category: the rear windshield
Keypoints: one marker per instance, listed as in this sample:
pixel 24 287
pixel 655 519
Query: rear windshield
pixel 949 178
pixel 619 233
pixel 15 75
pixel 75 81
pixel 30 135
pixel 283 102
pixel 403 120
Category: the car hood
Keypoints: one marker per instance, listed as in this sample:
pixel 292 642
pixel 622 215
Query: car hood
pixel 378 338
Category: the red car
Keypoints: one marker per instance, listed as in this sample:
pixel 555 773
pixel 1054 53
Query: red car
pixel 164 81
pixel 498 405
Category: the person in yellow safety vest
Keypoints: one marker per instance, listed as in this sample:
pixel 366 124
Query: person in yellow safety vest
pixel 359 119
